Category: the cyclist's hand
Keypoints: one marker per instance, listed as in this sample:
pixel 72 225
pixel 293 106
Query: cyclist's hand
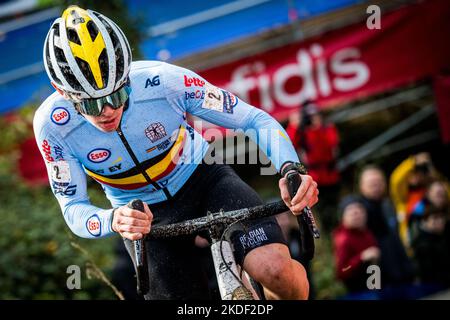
pixel 307 194
pixel 132 224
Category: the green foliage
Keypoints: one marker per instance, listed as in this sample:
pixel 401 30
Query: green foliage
pixel 323 270
pixel 35 243
pixel 36 247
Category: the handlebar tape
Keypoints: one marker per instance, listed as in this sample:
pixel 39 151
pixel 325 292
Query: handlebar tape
pixel 140 254
pixel 306 222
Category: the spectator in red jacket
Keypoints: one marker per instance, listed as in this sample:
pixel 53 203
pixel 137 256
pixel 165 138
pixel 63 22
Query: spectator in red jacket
pixel 355 246
pixel 317 143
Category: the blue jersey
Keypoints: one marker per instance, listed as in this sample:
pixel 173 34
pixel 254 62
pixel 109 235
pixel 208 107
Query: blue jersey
pixel 154 151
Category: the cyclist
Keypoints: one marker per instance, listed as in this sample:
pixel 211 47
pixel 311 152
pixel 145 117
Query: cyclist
pixel 123 123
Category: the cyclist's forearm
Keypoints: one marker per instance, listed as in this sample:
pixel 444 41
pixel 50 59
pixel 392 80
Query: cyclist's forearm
pixel 88 221
pixel 271 138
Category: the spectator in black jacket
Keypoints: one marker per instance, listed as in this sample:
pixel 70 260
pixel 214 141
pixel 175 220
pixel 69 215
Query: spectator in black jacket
pixel 395 265
pixel 432 248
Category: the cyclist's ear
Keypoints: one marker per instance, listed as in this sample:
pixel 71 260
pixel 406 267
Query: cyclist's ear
pixel 58 89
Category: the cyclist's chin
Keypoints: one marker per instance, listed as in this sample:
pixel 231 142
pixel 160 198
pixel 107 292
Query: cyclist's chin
pixel 108 126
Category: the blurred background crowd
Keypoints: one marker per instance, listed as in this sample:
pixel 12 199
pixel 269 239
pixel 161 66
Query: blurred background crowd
pixel 366 103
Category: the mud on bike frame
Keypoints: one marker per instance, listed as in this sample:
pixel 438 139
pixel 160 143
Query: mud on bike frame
pixel 231 287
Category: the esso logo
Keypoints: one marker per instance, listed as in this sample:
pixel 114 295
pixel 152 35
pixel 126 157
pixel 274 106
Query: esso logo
pixel 60 116
pixel 99 155
pixel 93 225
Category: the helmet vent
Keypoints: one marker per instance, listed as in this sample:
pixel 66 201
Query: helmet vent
pixel 120 63
pixel 71 79
pixel 50 67
pixel 104 66
pixel 60 57
pixel 119 56
pixel 92 28
pixel 86 70
pixel 73 36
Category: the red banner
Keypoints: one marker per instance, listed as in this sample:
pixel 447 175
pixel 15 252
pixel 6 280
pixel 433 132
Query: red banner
pixel 346 64
pixel 442 96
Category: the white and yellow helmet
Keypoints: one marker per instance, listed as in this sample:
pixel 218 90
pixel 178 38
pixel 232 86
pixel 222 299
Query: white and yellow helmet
pixel 86 55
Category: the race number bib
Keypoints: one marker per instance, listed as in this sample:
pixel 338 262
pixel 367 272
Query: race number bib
pixel 60 172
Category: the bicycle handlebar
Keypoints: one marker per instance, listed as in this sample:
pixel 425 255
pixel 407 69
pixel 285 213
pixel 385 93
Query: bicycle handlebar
pixel 197 225
pixel 204 223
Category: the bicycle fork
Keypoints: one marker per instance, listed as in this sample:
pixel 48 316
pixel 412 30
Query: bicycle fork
pixel 230 286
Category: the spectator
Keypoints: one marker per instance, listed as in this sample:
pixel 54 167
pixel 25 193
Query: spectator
pixel 437 195
pixel 408 184
pixel 317 142
pixel 396 267
pixel 355 246
pixel 432 248
pixel 380 210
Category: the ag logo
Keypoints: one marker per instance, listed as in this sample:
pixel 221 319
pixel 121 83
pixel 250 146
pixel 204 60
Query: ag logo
pixel 154 82
pixel 93 225
pixel 99 155
pixel 60 116
pixel 155 131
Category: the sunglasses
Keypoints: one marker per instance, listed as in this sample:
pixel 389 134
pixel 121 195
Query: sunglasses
pixel 94 107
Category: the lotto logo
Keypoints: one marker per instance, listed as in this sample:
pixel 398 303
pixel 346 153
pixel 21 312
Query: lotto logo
pixel 47 151
pixel 188 82
pixel 99 155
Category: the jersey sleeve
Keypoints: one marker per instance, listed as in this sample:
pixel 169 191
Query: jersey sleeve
pixel 68 183
pixel 191 93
